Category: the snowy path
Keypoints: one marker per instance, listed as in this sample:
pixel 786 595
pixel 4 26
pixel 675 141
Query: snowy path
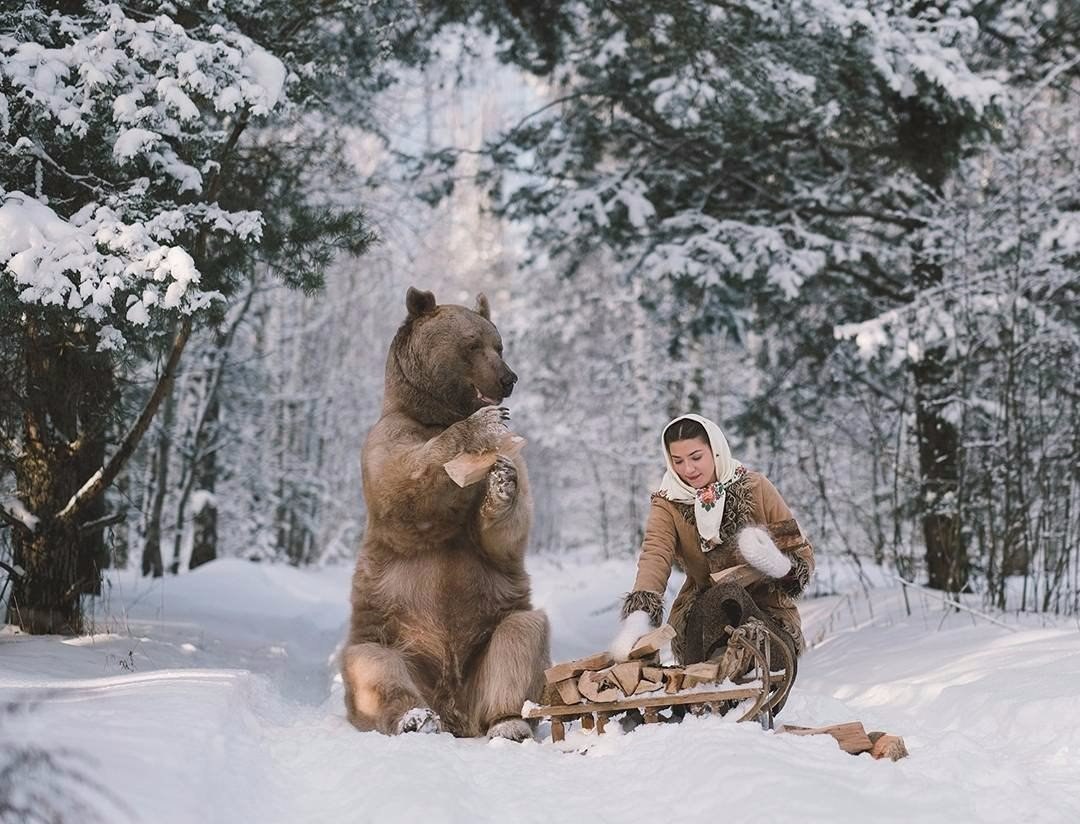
pixel 231 713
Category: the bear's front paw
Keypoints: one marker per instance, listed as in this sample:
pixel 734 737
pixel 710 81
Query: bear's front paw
pixel 484 429
pixel 512 729
pixel 501 488
pixel 420 719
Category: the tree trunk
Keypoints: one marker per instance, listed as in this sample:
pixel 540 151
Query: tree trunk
pixel 939 461
pixel 68 395
pixel 204 542
pixel 46 599
pixel 151 560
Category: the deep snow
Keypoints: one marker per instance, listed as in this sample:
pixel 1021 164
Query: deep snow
pixel 213 697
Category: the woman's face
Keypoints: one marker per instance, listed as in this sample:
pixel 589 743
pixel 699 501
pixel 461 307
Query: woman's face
pixel 693 462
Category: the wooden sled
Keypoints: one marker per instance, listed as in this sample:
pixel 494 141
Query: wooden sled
pixel 593 690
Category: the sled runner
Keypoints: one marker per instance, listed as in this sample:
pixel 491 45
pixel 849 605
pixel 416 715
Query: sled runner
pixel 593 690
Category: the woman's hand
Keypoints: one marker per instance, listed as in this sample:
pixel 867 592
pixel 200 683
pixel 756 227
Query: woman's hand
pixel 758 549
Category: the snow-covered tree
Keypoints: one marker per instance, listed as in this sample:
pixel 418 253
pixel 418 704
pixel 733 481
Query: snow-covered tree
pixel 143 145
pixel 773 164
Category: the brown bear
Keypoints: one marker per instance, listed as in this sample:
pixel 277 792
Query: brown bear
pixel 443 635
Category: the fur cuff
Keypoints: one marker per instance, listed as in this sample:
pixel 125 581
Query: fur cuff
pixel 758 550
pixel 645 601
pixel 633 626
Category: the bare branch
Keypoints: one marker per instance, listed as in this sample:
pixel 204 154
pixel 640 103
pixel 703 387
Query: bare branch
pixel 100 523
pixel 107 474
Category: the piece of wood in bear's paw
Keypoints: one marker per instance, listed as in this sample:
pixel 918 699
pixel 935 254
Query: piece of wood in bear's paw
pixel 469 468
pixel 571 669
pixel 650 643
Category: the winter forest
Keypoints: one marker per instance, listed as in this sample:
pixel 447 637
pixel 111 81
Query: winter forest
pixel 846 230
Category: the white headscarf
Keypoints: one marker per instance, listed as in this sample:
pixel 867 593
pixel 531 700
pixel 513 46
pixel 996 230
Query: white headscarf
pixel 709 500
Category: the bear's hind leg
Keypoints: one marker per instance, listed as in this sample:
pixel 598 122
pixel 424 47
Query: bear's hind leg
pixel 510 672
pixel 380 693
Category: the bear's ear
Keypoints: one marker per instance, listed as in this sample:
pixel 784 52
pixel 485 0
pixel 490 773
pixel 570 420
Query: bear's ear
pixel 482 307
pixel 419 303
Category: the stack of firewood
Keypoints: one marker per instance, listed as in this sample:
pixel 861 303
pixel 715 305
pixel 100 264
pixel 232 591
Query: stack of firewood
pixel 598 679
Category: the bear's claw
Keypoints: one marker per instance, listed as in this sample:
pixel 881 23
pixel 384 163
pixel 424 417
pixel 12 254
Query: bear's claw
pixel 484 429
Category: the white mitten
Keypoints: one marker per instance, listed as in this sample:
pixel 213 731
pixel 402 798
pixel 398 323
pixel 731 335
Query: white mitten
pixel 758 550
pixel 633 626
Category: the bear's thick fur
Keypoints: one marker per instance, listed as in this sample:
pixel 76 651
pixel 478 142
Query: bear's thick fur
pixel 443 634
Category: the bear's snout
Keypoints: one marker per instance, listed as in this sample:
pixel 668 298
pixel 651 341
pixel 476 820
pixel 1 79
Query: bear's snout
pixel 508 381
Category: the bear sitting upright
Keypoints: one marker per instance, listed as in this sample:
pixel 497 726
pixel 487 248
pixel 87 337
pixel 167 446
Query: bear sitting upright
pixel 443 635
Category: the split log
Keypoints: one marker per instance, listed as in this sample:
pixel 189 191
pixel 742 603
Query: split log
pixel 655 674
pixel 673 679
pixel 628 675
pixel 744 575
pixel 851 736
pixel 568 691
pixel 648 686
pixel 700 673
pixel 650 643
pixel 572 669
pixel 469 468
pixel 598 687
pixel 887 746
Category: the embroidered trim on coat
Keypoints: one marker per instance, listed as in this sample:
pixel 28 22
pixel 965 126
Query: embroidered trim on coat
pixel 651 603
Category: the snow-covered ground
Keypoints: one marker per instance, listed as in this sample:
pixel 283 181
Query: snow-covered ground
pixel 213 697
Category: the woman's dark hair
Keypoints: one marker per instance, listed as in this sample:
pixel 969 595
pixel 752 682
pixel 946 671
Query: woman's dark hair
pixel 685 429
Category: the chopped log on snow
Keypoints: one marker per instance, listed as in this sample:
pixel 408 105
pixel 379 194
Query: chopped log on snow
pixel 700 673
pixel 568 691
pixel 851 736
pixel 470 467
pixel 887 746
pixel 572 669
pixel 650 643
pixel 628 675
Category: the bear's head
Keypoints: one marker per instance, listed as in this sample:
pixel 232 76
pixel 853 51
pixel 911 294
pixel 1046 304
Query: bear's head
pixel 446 361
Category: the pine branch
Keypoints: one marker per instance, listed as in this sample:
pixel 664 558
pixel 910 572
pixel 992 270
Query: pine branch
pixel 107 474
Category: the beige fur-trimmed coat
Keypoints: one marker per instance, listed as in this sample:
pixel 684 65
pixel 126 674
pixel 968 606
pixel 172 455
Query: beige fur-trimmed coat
pixel 671 535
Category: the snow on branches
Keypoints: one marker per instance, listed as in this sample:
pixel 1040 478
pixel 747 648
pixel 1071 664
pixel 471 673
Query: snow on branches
pixel 113 125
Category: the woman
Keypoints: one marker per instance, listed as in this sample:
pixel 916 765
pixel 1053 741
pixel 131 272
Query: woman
pixel 711 513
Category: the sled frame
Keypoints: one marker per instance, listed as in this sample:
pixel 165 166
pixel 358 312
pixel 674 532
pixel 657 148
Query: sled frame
pixel 769 688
